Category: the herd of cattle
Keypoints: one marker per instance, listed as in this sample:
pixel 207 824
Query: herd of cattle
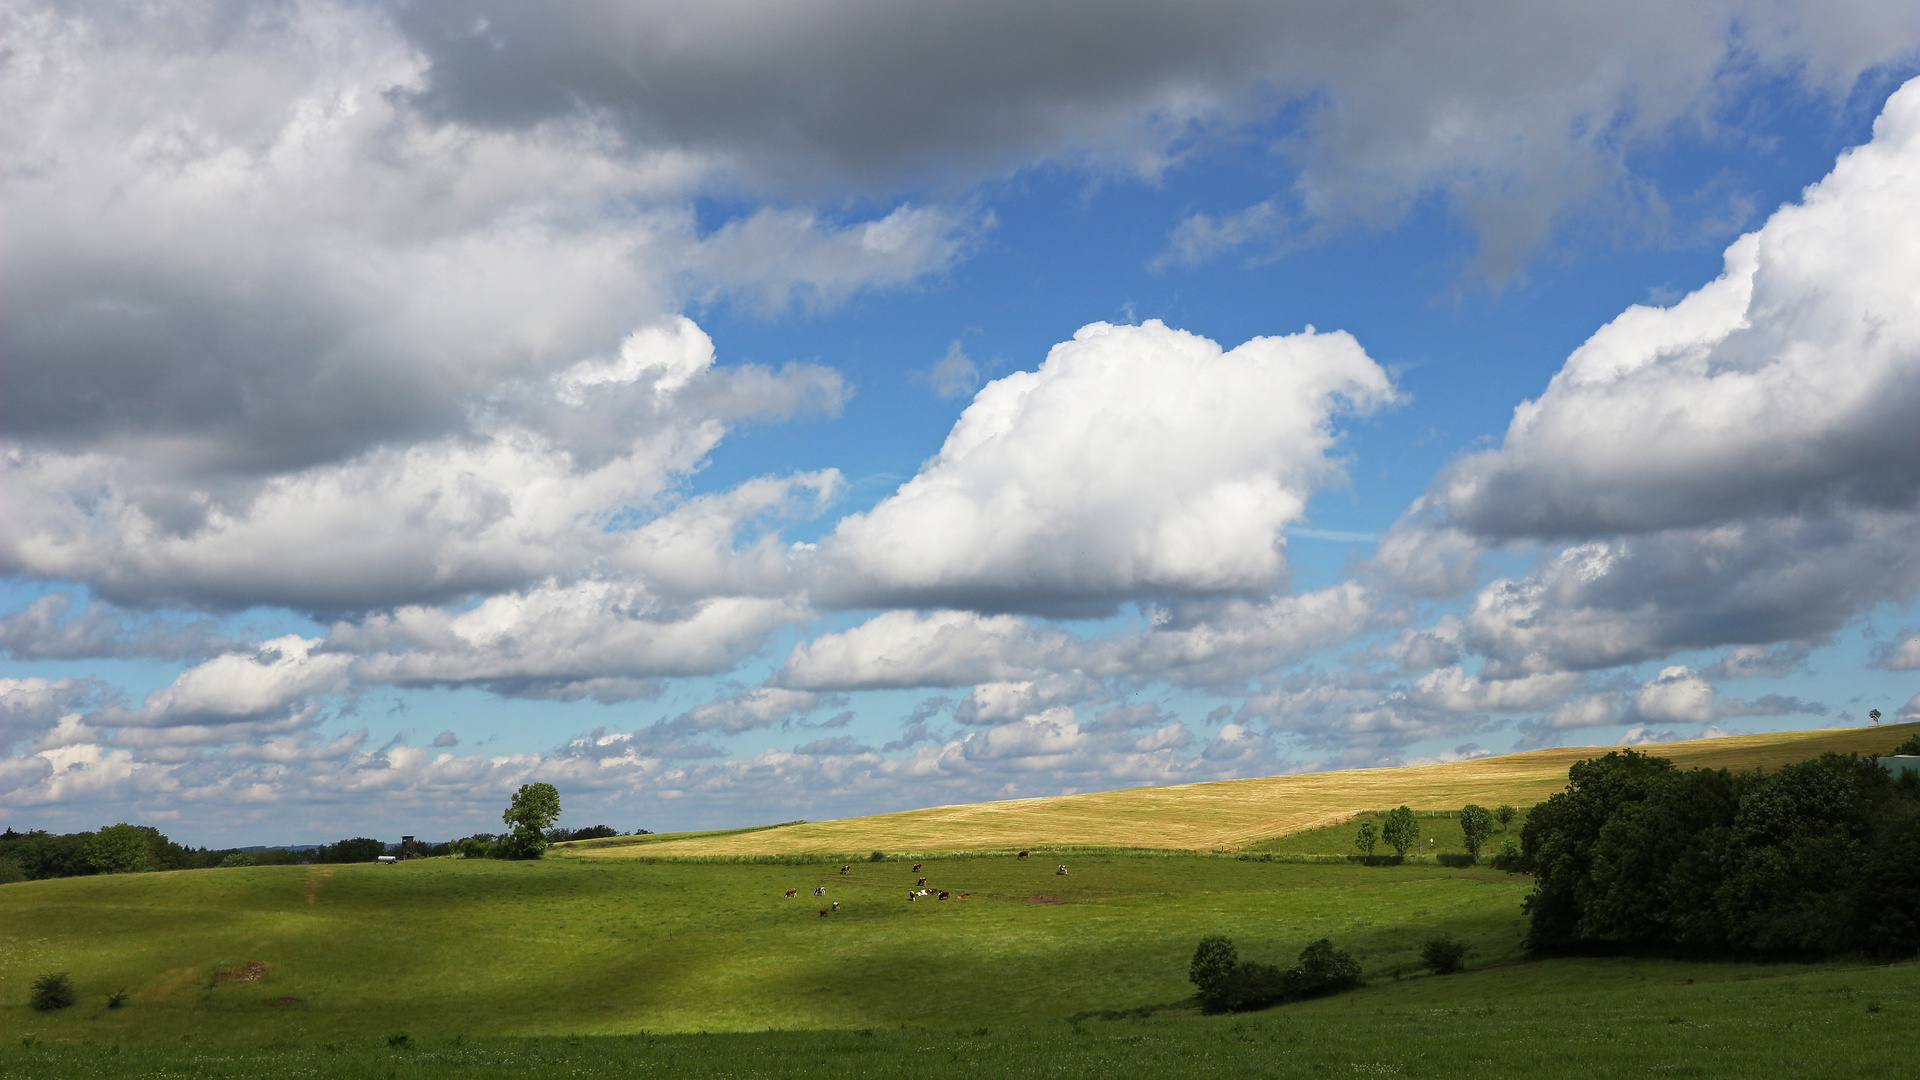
pixel 920 889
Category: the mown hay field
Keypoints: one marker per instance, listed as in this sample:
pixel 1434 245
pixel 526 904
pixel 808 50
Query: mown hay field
pixel 1233 814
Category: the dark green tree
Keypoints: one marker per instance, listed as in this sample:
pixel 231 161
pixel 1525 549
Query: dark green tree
pixel 1369 836
pixel 119 849
pixel 1323 969
pixel 1476 824
pixel 1401 831
pixel 1505 815
pixel 1212 963
pixel 533 810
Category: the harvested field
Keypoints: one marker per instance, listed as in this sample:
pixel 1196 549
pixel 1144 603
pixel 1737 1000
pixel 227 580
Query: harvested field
pixel 1231 814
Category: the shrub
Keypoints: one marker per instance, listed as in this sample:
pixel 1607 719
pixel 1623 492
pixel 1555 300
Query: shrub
pixel 1212 962
pixel 1442 955
pixel 51 991
pixel 119 849
pixel 117 999
pixel 1248 986
pixel 878 856
pixel 1910 748
pixel 1323 969
pixel 239 858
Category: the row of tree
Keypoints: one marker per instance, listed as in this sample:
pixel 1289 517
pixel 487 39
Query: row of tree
pixel 123 848
pixel 1816 858
pixel 1227 983
pixel 1400 829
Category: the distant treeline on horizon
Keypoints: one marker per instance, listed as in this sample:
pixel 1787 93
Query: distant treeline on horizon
pixel 36 855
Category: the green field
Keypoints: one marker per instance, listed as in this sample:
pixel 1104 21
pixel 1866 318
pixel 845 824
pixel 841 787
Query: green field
pixel 699 966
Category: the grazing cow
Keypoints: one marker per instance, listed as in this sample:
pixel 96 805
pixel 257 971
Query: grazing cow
pixel 836 905
pixel 821 891
pixel 1062 871
pixel 963 896
pixel 922 881
pixel 916 868
pixel 823 913
pixel 943 894
pixel 793 892
pixel 844 869
pixel 909 896
pixel 1024 854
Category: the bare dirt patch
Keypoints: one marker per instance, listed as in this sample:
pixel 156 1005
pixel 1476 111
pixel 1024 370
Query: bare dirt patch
pixel 1046 898
pixel 251 971
pixel 311 886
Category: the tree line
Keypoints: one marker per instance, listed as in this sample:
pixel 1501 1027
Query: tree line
pixel 1817 858
pixel 124 848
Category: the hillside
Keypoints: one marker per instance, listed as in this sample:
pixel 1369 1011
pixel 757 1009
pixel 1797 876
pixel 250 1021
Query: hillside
pixel 1232 814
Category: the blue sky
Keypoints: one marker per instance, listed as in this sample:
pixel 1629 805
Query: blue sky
pixel 404 404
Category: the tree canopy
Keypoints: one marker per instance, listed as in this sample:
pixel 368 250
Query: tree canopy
pixel 534 809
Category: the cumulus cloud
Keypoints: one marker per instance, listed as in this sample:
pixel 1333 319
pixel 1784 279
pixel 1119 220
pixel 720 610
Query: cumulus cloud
pixel 49 628
pixel 1903 655
pixel 1678 695
pixel 1770 705
pixel 1723 464
pixel 1136 460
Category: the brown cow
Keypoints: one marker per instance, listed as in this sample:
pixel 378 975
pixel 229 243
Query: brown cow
pixel 793 892
pixel 1024 854
pixel 823 913
pixel 916 868
pixel 922 881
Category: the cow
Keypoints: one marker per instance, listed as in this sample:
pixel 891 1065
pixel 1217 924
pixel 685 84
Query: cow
pixel 963 896
pixel 823 913
pixel 820 891
pixel 846 868
pixel 922 881
pixel 793 892
pixel 909 896
pixel 943 894
pixel 1024 854
pixel 916 868
pixel 836 905
pixel 1062 871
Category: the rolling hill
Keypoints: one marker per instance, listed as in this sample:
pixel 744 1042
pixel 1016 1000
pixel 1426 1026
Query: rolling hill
pixel 1230 814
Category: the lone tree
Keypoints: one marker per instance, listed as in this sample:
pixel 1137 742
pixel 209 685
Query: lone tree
pixel 1369 836
pixel 1505 815
pixel 1401 830
pixel 118 849
pixel 533 809
pixel 1476 824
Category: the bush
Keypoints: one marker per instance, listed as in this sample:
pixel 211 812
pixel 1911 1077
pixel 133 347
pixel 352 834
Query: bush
pixel 1322 970
pixel 51 991
pixel 1910 748
pixel 117 999
pixel 239 858
pixel 1443 955
pixel 358 849
pixel 1228 984
pixel 878 856
pixel 119 849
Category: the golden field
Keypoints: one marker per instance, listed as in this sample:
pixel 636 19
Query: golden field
pixel 1232 814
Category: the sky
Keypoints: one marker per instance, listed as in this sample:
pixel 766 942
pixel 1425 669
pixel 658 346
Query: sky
pixel 754 411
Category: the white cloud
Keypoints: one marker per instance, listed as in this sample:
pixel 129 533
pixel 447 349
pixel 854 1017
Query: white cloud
pixel 1452 690
pixel 1903 655
pixel 1678 695
pixel 1136 460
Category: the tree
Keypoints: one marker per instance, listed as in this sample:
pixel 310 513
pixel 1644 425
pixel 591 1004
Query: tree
pixel 534 808
pixel 118 849
pixel 1476 824
pixel 1369 836
pixel 1505 815
pixel 1212 963
pixel 356 849
pixel 1401 831
pixel 1322 970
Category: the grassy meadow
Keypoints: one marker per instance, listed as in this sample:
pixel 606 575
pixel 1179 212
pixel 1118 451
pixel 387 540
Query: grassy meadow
pixel 683 957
